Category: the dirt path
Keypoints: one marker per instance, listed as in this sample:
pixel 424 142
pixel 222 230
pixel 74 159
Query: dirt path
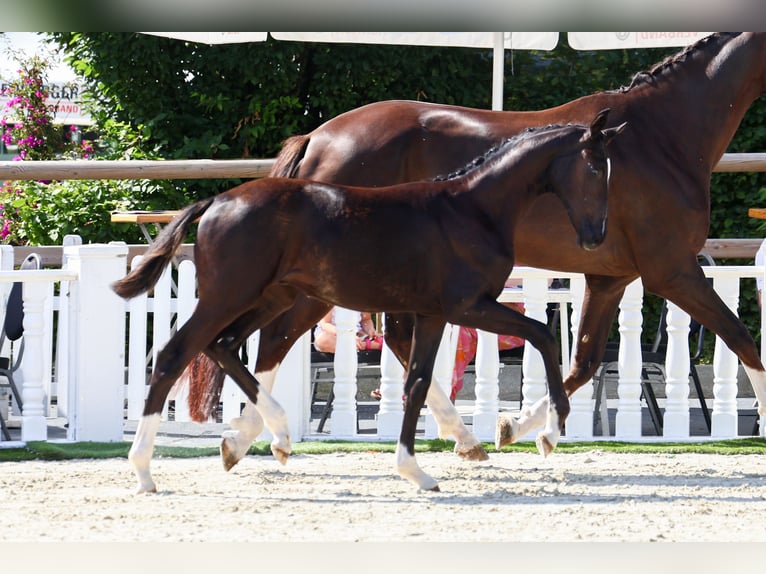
pixel 357 497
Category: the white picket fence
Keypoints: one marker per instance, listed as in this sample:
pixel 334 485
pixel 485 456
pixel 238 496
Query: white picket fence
pixel 78 363
pixel 292 388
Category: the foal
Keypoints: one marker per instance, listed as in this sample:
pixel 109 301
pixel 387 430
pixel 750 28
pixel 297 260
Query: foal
pixel 439 249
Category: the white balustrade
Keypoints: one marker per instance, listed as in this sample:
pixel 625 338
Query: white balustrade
pixel 93 394
pixel 442 376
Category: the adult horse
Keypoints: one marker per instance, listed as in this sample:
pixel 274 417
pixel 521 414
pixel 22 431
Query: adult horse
pixel 441 250
pixel 683 114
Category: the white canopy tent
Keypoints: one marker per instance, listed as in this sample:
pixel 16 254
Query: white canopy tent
pixel 498 41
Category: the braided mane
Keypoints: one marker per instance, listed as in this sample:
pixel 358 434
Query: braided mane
pixel 711 42
pixel 496 150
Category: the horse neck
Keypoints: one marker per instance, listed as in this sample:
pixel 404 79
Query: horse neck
pixel 507 182
pixel 705 98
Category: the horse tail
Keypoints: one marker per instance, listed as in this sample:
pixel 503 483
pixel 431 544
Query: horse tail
pixel 289 159
pixel 205 383
pixel 146 274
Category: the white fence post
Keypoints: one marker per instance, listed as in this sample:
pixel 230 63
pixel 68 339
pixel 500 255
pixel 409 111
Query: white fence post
pixel 580 421
pixel 677 365
pixel 33 424
pixel 390 415
pixel 97 401
pixel 628 421
pixel 6 264
pixel 442 376
pixel 137 349
pixel 535 306
pixel 487 387
pixel 63 351
pixel 343 417
pixel 724 419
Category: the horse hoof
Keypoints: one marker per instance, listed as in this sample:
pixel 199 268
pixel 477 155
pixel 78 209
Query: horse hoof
pixel 229 457
pixel 146 489
pixel 475 453
pixel 544 446
pixel 280 454
pixel 435 489
pixel 504 432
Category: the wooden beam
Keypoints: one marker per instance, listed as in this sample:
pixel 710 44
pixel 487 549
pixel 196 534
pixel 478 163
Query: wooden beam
pixel 732 248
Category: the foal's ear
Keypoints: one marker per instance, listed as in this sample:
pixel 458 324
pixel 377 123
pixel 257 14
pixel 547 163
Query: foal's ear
pixel 598 122
pixel 609 133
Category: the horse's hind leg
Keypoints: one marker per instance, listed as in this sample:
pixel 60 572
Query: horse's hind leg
pixel 273 414
pixel 171 361
pixel 276 339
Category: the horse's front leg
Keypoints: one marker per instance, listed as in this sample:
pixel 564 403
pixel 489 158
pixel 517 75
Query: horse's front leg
pixel 426 338
pixel 602 298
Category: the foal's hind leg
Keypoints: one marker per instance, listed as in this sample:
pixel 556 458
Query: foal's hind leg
pixel 273 414
pixel 276 339
pixel 171 361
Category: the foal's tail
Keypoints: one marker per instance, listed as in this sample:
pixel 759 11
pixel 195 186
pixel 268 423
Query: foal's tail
pixel 289 158
pixel 146 274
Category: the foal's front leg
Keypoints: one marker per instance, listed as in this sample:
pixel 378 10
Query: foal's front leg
pixel 398 336
pixel 489 315
pixel 426 339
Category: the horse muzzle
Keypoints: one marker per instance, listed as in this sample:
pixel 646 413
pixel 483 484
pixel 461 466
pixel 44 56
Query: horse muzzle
pixel 592 236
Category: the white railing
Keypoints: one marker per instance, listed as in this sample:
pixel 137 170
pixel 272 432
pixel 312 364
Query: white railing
pixel 83 377
pixel 536 295
pixel 98 379
pixel 483 412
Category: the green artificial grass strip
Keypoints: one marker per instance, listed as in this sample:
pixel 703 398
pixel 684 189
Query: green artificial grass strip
pixel 98 450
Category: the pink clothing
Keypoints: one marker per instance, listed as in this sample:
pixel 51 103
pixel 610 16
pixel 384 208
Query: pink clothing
pixel 466 350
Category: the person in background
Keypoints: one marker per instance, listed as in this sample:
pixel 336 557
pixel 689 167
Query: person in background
pixel 367 336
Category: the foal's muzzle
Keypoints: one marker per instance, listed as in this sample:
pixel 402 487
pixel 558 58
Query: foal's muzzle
pixel 592 236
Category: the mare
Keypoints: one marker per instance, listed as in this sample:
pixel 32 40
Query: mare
pixel 683 113
pixel 441 250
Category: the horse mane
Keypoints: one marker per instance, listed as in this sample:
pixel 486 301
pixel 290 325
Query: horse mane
pixel 510 142
pixel 713 41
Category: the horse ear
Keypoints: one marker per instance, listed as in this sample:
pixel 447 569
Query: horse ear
pixel 610 133
pixel 599 121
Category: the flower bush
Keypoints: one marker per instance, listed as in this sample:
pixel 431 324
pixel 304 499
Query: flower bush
pixel 42 212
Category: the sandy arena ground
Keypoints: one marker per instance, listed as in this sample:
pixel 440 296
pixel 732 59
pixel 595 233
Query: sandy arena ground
pixel 513 497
